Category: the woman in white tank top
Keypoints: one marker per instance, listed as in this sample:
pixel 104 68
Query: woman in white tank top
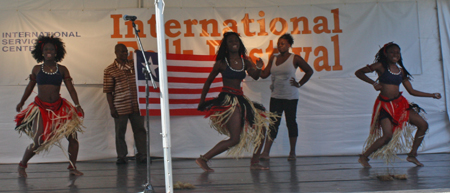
pixel 284 97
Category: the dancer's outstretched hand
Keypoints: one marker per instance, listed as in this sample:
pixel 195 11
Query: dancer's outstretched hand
pixel 437 95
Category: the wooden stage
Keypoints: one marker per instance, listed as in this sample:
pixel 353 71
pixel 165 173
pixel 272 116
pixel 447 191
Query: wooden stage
pixel 306 174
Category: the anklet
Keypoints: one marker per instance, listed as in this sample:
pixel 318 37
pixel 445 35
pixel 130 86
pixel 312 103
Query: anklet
pixel 23 166
pixel 365 157
pixel 71 167
pixel 203 158
pixel 412 155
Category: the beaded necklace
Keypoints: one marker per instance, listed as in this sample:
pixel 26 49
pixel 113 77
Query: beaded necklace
pixel 49 73
pixel 243 65
pixel 397 73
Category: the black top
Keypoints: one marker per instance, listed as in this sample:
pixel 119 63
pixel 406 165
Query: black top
pixel 43 78
pixel 228 73
pixel 389 78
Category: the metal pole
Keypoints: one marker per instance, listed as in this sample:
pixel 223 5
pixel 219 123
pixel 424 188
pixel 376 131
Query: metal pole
pixel 147 73
pixel 164 94
pixel 148 185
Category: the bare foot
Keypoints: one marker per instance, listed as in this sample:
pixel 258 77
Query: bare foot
pixel 257 166
pixel 203 164
pixel 364 161
pixel 75 172
pixel 22 172
pixel 414 160
pixel 292 157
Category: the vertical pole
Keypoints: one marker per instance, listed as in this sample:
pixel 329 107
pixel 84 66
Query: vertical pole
pixel 147 74
pixel 164 94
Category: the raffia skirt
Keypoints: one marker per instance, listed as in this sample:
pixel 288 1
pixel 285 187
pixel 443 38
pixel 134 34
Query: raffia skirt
pixel 60 119
pixel 255 120
pixel 397 110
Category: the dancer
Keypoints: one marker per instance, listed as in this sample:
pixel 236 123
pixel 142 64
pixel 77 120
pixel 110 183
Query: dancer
pixel 285 92
pixel 49 118
pixel 232 113
pixel 393 118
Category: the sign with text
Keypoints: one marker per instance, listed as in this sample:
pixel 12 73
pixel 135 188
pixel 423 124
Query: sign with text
pixel 335 39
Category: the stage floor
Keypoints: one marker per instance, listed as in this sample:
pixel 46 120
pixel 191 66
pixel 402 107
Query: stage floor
pixel 306 174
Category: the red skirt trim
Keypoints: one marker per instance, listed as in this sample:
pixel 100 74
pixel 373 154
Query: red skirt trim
pixel 53 114
pixel 220 109
pixel 397 108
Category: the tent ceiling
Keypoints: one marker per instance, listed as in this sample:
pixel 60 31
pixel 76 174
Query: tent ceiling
pixel 124 4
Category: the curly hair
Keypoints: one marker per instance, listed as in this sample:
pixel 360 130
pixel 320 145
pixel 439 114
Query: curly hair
pixel 39 46
pixel 381 58
pixel 287 37
pixel 223 53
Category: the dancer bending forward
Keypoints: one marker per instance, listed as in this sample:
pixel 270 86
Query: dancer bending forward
pixel 232 113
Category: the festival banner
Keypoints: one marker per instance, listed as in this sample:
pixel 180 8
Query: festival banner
pixel 335 39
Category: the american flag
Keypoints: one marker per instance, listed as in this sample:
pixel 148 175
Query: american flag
pixel 186 77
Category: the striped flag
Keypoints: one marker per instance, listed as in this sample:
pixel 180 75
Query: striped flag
pixel 186 77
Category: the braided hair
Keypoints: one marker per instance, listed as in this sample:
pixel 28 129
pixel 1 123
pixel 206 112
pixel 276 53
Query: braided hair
pixel 381 58
pixel 39 48
pixel 223 53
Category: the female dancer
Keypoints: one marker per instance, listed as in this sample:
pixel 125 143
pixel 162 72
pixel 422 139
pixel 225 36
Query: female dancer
pixel 232 113
pixel 50 117
pixel 285 91
pixel 392 114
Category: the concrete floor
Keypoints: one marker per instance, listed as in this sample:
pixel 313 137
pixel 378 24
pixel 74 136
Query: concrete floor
pixel 306 174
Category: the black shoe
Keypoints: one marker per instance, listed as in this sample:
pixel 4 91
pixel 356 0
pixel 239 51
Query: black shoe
pixel 141 158
pixel 122 160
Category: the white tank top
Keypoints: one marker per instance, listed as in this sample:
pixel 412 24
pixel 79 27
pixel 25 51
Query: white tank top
pixel 281 75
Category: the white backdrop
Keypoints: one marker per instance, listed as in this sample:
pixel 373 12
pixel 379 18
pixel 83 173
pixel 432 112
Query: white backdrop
pixel 334 106
pixel 444 31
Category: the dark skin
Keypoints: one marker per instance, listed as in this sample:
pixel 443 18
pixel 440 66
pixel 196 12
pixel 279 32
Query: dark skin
pixel 283 48
pixel 234 123
pixel 121 52
pixel 50 94
pixel 392 91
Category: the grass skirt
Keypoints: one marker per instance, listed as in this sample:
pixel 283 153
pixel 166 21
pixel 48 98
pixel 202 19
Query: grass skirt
pixel 402 131
pixel 60 119
pixel 255 118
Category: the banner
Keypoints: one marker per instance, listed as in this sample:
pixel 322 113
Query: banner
pixel 186 76
pixel 335 39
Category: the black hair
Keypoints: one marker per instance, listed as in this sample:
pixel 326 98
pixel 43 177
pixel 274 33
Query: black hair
pixel 118 45
pixel 223 53
pixel 287 37
pixel 381 58
pixel 39 45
